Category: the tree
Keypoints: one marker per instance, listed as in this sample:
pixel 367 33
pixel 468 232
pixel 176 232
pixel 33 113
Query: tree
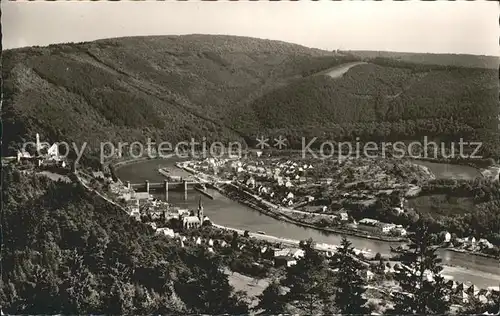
pixel 308 280
pixel 349 286
pixel 421 294
pixel 207 290
pixel 271 301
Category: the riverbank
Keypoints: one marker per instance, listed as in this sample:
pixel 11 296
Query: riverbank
pixel 472 253
pixel 295 243
pixel 477 164
pixel 282 216
pixel 267 210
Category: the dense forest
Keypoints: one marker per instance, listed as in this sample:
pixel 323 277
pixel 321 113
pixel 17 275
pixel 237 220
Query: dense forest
pixel 69 252
pixel 172 88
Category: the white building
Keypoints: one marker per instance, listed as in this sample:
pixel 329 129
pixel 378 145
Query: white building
pixel 386 227
pixel 344 217
pixel 447 237
pixel 165 231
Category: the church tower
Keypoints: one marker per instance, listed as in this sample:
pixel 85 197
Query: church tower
pixel 200 210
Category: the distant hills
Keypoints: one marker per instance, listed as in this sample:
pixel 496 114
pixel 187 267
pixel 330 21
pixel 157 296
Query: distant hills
pixel 462 60
pixel 172 88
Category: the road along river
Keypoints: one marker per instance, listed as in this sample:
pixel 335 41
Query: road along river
pixel 481 271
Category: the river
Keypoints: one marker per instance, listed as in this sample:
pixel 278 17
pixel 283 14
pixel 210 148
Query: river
pixel 449 171
pixel 481 271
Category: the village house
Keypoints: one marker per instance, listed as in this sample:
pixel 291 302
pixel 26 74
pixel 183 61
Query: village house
pixel 447 237
pixel 367 275
pixel 22 154
pixel 99 175
pixel 399 230
pixel 387 227
pixel 326 181
pixel 165 232
pixel 280 261
pixel 250 182
pixel 485 244
pixel 369 221
pixel 344 217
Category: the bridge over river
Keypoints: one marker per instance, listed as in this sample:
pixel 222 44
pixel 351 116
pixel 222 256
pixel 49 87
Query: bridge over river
pixel 168 184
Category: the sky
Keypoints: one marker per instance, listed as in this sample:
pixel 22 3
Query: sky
pixel 411 26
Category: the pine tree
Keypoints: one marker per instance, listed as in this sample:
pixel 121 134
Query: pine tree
pixel 308 280
pixel 271 301
pixel 349 286
pixel 421 295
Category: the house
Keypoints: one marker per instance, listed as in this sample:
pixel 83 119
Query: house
pixel 344 217
pixel 369 221
pixel 251 168
pixel 251 182
pixel 290 195
pixel 22 154
pixel 367 275
pixel 398 210
pixel 471 240
pixel 297 253
pixel 99 175
pixel 53 152
pixel 141 196
pixel 473 290
pixel 165 231
pixel 327 181
pixel 288 184
pixel 289 203
pixel 286 261
pixel 484 243
pixel 135 214
pixel 386 227
pixel 400 231
pixel 447 237
pixel 309 198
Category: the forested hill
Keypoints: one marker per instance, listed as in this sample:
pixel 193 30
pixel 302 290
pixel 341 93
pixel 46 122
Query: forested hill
pixel 67 252
pixel 460 60
pixel 172 88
